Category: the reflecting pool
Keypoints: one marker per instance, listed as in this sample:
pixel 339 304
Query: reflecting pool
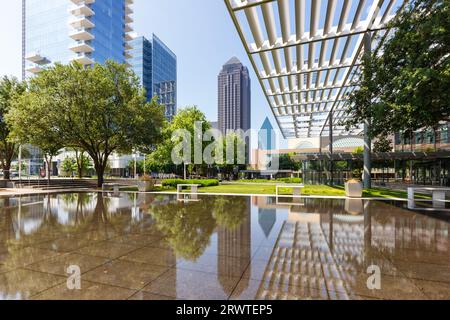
pixel 146 246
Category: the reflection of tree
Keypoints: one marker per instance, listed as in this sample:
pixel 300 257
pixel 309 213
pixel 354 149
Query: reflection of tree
pixel 230 212
pixel 187 226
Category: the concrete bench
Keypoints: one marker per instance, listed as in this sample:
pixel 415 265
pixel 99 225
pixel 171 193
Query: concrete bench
pixel 438 195
pixel 194 187
pixel 296 189
pixel 114 186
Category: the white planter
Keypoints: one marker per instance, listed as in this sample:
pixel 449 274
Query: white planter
pixel 146 186
pixel 354 189
pixel 354 206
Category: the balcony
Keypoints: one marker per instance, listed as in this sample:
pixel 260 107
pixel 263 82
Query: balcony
pixel 33 68
pixel 78 2
pixel 81 22
pixel 35 57
pixel 128 55
pixel 81 10
pixel 128 46
pixel 128 28
pixel 81 34
pixel 81 46
pixel 128 37
pixel 83 59
pixel 128 19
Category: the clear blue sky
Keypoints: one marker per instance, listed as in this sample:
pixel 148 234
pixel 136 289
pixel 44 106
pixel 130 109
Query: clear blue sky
pixel 200 32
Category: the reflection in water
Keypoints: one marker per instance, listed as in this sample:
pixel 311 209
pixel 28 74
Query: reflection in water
pixel 255 248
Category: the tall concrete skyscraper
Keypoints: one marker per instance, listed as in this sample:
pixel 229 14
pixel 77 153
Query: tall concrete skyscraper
pixel 234 97
pixel 156 66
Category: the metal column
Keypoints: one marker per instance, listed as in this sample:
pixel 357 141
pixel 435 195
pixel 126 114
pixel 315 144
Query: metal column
pixel 367 175
pixel 331 149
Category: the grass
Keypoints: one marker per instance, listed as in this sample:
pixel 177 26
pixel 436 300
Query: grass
pixel 312 190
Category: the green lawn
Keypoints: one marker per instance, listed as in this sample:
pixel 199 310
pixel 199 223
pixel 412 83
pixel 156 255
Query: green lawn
pixel 308 190
pixel 321 190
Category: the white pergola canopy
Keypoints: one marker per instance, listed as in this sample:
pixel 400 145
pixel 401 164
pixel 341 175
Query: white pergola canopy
pixel 306 54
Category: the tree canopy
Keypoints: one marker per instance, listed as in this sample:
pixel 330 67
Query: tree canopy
pixel 10 90
pixel 405 85
pixel 101 110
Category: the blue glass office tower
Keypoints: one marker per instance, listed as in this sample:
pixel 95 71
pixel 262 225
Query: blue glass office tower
pixel 266 136
pixel 156 66
pixel 87 31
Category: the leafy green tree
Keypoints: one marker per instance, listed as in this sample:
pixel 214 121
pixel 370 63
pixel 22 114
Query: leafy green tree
pixel 233 147
pixel 161 157
pixel 406 88
pixel 10 90
pixel 69 166
pixel 286 162
pixel 83 162
pixel 382 145
pixel 101 110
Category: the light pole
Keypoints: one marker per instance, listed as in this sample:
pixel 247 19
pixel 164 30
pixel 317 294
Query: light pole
pixel 135 165
pixel 20 162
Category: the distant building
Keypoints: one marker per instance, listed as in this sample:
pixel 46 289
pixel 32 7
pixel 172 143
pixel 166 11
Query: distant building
pixel 234 97
pixel 266 136
pixel 215 125
pixel 156 66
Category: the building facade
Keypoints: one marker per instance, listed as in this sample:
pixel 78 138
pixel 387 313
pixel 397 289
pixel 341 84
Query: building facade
pixel 156 66
pixel 85 31
pixel 234 97
pixel 64 31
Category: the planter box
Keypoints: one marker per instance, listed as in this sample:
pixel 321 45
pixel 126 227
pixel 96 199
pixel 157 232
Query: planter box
pixel 354 189
pixel 354 206
pixel 146 186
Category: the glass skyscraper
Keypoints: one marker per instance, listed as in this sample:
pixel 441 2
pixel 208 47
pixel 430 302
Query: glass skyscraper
pixel 86 31
pixel 156 66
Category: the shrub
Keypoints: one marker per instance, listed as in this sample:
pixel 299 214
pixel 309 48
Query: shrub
pixel 290 180
pixel 203 183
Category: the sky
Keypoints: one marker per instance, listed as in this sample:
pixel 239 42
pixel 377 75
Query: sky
pixel 200 32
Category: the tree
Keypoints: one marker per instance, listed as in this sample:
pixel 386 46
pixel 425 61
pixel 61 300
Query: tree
pixel 406 87
pixel 286 162
pixel 69 166
pixel 233 147
pixel 161 157
pixel 10 90
pixel 83 162
pixel 101 110
pixel 382 145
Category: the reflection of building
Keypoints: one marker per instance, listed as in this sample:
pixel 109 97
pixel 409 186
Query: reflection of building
pixel 322 255
pixel 234 247
pixel 156 66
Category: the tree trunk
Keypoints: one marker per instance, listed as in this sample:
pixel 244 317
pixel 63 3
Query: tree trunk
pixel 80 159
pixel 7 171
pixel 100 169
pixel 48 160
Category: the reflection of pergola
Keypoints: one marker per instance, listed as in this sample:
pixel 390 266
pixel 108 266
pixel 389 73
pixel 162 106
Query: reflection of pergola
pixel 307 53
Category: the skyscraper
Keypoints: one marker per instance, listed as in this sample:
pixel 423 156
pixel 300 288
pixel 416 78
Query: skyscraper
pixel 234 97
pixel 156 66
pixel 266 138
pixel 86 31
